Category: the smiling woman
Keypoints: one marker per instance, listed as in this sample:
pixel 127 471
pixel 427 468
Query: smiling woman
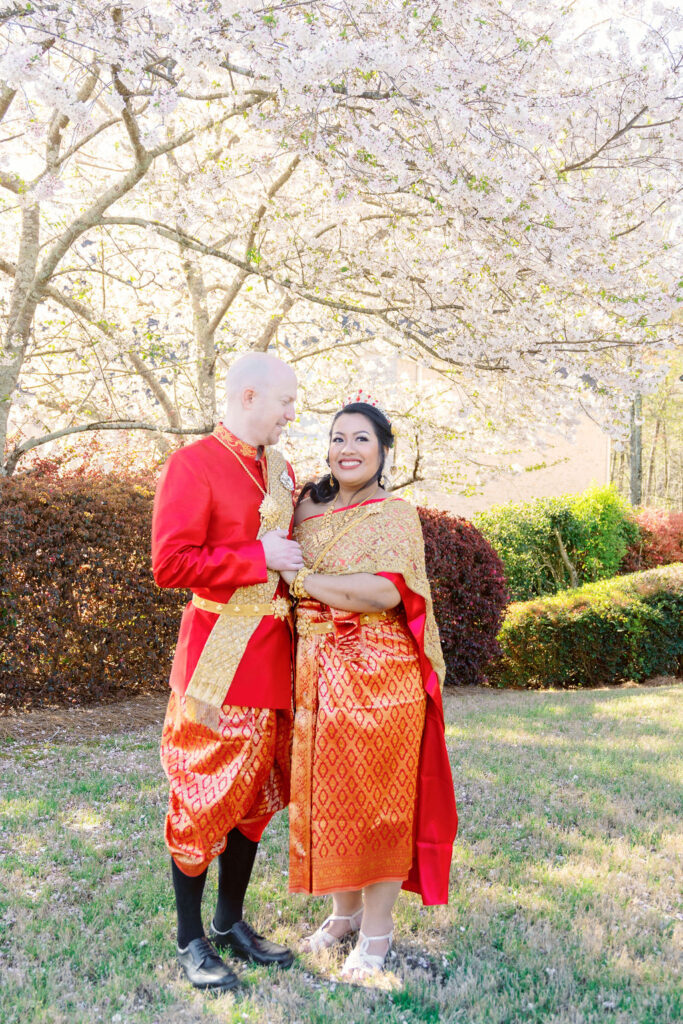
pixel 372 807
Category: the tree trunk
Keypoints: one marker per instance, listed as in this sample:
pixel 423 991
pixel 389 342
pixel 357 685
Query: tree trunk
pixel 636 451
pixel 573 575
pixel 205 349
pixel 22 307
pixel 651 470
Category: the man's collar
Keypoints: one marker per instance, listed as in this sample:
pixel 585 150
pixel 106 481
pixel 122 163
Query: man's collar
pixel 230 440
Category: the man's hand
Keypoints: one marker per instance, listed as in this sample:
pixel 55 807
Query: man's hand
pixel 281 553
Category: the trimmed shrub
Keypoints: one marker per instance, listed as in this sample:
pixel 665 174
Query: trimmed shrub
pixel 553 543
pixel 469 592
pixel 660 541
pixel 628 627
pixel 81 618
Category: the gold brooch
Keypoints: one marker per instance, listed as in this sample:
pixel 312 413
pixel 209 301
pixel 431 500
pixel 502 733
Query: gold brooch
pixel 268 511
pixel 303 626
pixel 280 607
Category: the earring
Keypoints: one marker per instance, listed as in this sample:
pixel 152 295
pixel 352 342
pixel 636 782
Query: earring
pixel 332 479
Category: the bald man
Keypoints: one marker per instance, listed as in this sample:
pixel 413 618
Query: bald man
pixel 221 527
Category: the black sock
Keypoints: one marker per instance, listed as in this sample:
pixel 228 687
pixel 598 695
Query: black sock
pixel 188 901
pixel 234 872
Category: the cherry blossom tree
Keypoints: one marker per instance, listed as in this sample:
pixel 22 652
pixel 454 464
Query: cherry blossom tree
pixel 489 191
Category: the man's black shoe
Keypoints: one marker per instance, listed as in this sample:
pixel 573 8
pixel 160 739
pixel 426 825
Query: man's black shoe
pixel 247 944
pixel 204 968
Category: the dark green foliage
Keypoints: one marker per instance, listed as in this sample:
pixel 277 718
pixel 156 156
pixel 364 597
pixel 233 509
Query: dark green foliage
pixel 595 529
pixel 81 618
pixel 628 627
pixel 469 593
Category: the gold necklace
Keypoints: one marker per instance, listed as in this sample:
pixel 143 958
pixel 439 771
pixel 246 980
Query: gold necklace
pixel 326 524
pixel 268 509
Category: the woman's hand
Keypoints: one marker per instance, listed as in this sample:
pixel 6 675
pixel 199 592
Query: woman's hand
pixel 288 575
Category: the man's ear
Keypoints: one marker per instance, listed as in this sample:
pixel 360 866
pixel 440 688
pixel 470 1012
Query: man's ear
pixel 248 396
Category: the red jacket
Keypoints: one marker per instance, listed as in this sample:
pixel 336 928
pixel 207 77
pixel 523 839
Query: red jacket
pixel 204 531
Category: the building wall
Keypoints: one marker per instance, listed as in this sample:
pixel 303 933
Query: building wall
pixel 569 468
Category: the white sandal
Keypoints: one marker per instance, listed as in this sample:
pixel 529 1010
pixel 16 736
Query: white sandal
pixel 323 939
pixel 360 962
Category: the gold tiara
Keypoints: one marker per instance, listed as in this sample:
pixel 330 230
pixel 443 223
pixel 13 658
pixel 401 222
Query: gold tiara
pixel 365 399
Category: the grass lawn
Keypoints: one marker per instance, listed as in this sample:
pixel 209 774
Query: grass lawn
pixel 563 890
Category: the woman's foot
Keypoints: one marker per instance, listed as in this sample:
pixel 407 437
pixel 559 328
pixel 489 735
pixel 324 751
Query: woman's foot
pixel 333 929
pixel 368 956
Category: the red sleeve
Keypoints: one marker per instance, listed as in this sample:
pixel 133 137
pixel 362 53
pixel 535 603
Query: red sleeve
pixel 181 555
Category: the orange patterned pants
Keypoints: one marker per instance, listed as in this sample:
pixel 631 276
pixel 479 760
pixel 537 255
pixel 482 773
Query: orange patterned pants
pixel 238 776
pixel 360 709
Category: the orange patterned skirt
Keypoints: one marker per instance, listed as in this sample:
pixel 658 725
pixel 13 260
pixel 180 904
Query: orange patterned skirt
pixel 360 710
pixel 237 776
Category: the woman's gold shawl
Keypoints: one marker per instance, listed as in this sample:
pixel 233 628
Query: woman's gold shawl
pixel 385 536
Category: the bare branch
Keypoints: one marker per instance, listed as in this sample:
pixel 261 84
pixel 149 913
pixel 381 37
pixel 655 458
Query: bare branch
pixel 87 314
pixel 59 121
pixel 35 442
pixel 272 191
pixel 128 118
pixel 232 293
pixel 175 235
pixel 273 324
pixel 12 182
pixel 6 97
pixel 617 134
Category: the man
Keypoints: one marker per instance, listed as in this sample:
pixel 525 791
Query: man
pixel 222 516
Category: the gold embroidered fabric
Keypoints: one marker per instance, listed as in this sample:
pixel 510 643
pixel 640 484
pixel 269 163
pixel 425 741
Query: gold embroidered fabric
pixel 389 540
pixel 230 635
pixel 230 440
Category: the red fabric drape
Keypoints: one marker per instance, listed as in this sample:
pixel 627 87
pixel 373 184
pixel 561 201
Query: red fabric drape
pixel 436 817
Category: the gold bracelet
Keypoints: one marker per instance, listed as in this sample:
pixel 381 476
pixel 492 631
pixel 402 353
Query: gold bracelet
pixel 296 588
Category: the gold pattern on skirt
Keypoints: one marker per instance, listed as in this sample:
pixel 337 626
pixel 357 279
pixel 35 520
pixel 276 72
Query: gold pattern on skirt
pixel 232 775
pixel 360 710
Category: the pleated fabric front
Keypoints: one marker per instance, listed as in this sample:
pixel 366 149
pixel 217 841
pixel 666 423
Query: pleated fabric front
pixel 360 710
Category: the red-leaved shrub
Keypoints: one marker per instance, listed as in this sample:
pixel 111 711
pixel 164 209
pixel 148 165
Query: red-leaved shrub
pixel 660 543
pixel 469 591
pixel 81 618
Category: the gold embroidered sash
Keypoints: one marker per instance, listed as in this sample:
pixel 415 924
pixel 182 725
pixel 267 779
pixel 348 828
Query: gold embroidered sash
pixel 227 642
pixel 389 541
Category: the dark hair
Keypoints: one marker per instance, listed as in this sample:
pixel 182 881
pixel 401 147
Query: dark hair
pixel 327 488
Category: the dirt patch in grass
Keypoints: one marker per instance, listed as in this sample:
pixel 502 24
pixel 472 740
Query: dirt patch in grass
pixel 64 725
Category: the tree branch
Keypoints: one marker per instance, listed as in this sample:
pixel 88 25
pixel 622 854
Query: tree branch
pixel 35 442
pixel 189 242
pixel 573 575
pixel 620 131
pixel 273 324
pixel 87 314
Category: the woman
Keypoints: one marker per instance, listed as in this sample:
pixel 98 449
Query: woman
pixel 372 806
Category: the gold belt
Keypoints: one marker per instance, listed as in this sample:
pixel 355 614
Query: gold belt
pixel 279 607
pixel 306 628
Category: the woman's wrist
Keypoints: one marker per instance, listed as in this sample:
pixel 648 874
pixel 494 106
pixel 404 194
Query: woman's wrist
pixel 297 587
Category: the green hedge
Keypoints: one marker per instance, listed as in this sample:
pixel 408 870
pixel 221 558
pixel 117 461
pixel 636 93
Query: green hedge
pixel 628 627
pixel 593 529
